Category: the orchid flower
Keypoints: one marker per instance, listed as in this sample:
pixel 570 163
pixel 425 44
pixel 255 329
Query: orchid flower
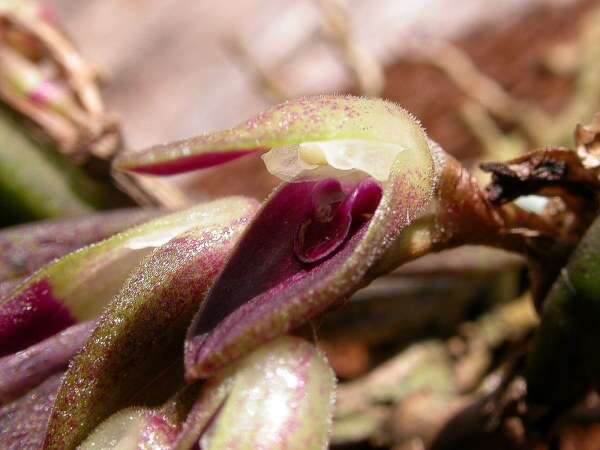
pixel 211 291
pixel 364 191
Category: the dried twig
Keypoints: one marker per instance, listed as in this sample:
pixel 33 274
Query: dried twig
pixel 47 80
pixel 481 88
pixel 537 126
pixel 366 71
pixel 265 79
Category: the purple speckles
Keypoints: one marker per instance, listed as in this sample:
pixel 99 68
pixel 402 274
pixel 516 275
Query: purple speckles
pixel 26 248
pixel 31 316
pixel 140 333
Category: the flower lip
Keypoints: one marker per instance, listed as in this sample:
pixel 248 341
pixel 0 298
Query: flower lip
pixel 305 233
pixel 335 213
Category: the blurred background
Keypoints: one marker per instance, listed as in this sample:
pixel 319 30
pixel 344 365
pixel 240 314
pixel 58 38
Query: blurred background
pixel 489 80
pixel 478 74
pixel 178 68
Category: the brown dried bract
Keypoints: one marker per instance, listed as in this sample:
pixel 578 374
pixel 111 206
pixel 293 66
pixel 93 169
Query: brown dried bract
pixel 537 173
pixel 571 179
pixel 587 140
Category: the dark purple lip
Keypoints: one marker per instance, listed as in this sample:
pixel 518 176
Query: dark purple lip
pixel 335 212
pixel 304 232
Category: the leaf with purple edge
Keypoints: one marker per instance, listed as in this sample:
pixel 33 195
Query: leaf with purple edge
pixel 23 422
pixel 77 287
pixel 142 330
pixel 26 248
pixel 291 123
pixel 27 368
pixel 279 396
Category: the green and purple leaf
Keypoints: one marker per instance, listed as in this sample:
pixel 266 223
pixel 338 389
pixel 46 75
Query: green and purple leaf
pixel 141 333
pixel 27 368
pixel 77 287
pixel 23 422
pixel 26 248
pixel 279 396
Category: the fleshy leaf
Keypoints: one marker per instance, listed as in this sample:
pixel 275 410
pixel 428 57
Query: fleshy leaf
pixel 27 368
pixel 77 287
pixel 23 422
pixel 291 123
pixel 565 348
pixel 279 396
pixel 147 428
pixel 142 330
pixel 26 248
pixel 132 428
pixel 280 275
